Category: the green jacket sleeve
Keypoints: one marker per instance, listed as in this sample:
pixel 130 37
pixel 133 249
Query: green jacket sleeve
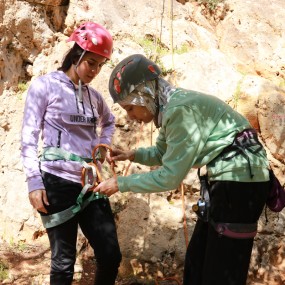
pixel 178 144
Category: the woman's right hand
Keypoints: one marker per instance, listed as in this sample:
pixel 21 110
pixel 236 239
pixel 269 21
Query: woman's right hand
pixel 38 199
pixel 120 155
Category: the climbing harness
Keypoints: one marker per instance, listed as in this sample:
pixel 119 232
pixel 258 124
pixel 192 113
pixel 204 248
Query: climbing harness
pixel 90 178
pixel 245 140
pixel 235 230
pixel 231 230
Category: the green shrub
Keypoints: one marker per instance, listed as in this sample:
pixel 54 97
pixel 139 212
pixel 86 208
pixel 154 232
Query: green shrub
pixel 22 86
pixel 182 49
pixel 3 270
pixel 210 4
pixel 152 46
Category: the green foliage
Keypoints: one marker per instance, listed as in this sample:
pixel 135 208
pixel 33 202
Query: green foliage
pixel 4 270
pixel 11 242
pixel 21 246
pixel 22 86
pixel 152 46
pixel 182 49
pixel 210 4
pixel 110 63
pixel 282 84
pixel 237 93
pixel 18 246
pixel 164 70
pixel 154 49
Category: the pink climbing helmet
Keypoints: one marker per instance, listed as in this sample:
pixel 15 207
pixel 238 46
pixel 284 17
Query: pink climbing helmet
pixel 94 38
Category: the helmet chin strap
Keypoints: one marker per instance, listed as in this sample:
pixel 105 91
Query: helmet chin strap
pixel 79 96
pixel 156 102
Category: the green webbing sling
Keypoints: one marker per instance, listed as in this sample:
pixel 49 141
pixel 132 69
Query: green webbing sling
pixel 54 153
pixel 56 219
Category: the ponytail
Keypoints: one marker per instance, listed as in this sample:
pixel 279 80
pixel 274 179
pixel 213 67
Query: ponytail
pixel 71 57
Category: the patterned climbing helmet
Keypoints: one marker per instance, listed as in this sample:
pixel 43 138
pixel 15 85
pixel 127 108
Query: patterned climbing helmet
pixel 129 73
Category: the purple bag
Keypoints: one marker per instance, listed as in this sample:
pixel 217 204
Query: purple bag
pixel 276 198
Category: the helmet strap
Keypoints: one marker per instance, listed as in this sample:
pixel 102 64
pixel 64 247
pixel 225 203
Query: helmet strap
pixel 80 96
pixel 81 56
pixel 156 102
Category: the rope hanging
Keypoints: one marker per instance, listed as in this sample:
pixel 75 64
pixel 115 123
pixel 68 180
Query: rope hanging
pixel 137 143
pixel 171 31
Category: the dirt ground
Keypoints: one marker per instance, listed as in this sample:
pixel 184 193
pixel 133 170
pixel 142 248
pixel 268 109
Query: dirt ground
pixel 29 265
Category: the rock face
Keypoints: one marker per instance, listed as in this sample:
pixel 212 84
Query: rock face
pixel 271 102
pixel 236 53
pixel 244 37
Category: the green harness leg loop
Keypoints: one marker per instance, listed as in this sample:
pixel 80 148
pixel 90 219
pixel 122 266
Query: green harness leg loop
pixel 54 153
pixel 56 219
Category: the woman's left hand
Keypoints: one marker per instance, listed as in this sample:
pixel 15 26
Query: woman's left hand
pixel 108 187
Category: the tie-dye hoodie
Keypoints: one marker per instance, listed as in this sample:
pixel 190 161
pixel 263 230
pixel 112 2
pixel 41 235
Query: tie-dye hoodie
pixel 52 109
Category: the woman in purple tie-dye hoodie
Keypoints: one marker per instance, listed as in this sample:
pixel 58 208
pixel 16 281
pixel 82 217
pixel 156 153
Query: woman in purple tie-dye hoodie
pixel 69 114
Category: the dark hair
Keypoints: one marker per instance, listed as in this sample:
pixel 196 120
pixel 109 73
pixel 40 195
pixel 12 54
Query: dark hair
pixel 71 57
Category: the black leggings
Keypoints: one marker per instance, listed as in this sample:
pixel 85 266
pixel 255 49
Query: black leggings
pixel 215 259
pixel 97 224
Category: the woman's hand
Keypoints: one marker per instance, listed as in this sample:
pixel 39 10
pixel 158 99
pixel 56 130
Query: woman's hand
pixel 120 155
pixel 38 199
pixel 108 187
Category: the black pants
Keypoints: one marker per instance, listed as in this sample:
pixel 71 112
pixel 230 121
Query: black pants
pixel 98 226
pixel 215 259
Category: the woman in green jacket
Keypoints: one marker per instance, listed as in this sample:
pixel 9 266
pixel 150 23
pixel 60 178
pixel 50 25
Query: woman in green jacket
pixel 196 130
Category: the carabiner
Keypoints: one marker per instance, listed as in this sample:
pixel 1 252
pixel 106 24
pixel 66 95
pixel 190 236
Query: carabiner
pixel 89 175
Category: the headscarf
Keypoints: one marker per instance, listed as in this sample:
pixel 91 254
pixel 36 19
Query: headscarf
pixel 144 95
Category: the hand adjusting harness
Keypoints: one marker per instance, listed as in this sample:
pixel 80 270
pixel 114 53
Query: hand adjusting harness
pixel 245 140
pixel 90 178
